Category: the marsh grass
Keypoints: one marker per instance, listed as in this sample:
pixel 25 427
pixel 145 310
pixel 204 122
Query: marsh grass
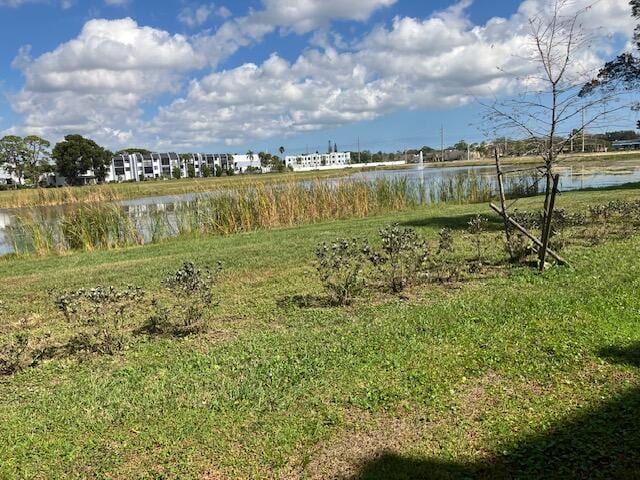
pixel 245 208
pixel 98 227
pixel 90 227
pixel 285 205
pixel 43 197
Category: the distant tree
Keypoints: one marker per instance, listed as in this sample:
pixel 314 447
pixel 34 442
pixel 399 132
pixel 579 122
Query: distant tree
pixel 365 156
pixel 622 73
pixel 130 151
pixel 335 147
pixel 482 149
pixel 176 173
pixel 281 150
pixel 264 159
pixel 36 160
pixel 206 170
pixel 76 155
pixel 218 171
pixel 461 145
pixel 278 164
pixel 12 155
pixel 619 135
pixel 191 171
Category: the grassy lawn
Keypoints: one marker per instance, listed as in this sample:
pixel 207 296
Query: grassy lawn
pixel 515 375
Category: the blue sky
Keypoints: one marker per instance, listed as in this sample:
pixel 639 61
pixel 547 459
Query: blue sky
pixel 234 75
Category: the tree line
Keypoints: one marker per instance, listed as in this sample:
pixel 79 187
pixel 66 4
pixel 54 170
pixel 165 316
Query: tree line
pixel 30 157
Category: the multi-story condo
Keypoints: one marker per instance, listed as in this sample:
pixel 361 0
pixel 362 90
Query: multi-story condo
pixel 138 166
pixel 316 161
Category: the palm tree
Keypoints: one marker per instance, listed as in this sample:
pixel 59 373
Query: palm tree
pixel 281 149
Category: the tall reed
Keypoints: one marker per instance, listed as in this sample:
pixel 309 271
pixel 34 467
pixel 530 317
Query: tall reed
pixel 86 228
pixel 98 227
pixel 242 209
pixel 43 197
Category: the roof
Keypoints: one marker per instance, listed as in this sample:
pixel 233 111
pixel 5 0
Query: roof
pixel 622 143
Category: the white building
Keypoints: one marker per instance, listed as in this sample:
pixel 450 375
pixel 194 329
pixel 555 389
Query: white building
pixel 318 161
pixel 7 177
pixel 138 166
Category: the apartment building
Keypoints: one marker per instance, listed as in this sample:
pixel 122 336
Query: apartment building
pixel 147 166
pixel 318 161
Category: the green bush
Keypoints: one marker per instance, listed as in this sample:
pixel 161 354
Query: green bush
pixel 18 354
pixel 477 226
pixel 99 315
pixel 404 259
pixel 192 299
pixel 340 266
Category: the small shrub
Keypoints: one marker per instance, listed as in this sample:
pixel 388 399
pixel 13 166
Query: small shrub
pixel 450 272
pixel 563 219
pixel 404 259
pixel 18 354
pixel 340 266
pixel 445 241
pixel 100 314
pixel 476 227
pixel 522 247
pixel 159 322
pixel 192 292
pixel 529 220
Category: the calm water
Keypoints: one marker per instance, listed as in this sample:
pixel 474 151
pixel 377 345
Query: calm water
pixel 571 178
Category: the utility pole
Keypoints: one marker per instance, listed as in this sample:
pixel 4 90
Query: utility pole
pixel 442 143
pixel 505 146
pixel 582 129
pixel 468 152
pixel 359 158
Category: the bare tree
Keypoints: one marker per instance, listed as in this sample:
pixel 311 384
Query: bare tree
pixel 549 109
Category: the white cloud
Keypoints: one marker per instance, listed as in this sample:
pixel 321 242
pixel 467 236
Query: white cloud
pixel 116 3
pixel 18 3
pixel 438 62
pixel 289 15
pixel 196 16
pixel 97 81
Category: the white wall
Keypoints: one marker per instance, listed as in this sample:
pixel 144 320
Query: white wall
pixel 6 177
pixel 352 165
pixel 242 162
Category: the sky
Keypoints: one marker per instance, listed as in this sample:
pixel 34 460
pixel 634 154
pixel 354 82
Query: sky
pixel 229 76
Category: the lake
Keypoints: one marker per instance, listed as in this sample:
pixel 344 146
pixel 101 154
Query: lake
pixel 433 178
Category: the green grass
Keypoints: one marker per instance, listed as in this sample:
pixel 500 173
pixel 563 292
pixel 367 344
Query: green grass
pixel 517 375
